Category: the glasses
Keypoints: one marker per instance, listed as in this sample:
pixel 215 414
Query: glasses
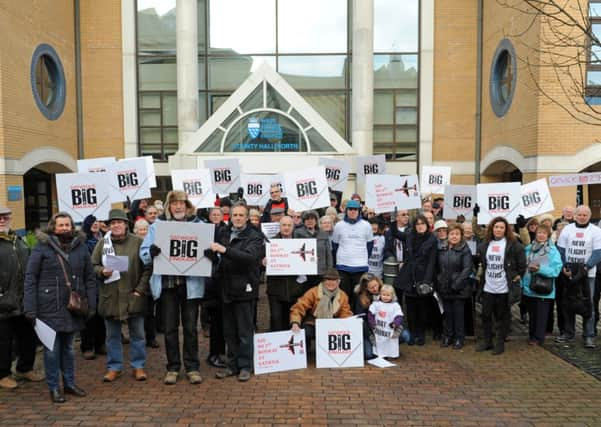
pixel 5 218
pixel 296 216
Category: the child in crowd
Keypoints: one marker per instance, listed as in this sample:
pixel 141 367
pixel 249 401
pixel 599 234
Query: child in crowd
pixel 366 292
pixel 385 317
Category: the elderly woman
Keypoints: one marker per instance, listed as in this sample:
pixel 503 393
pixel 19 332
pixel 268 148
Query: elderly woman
pixel 141 228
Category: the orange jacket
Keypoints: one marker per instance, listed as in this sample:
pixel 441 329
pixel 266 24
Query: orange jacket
pixel 304 309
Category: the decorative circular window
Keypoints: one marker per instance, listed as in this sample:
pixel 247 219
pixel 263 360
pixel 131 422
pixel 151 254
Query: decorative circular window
pixel 503 75
pixel 48 81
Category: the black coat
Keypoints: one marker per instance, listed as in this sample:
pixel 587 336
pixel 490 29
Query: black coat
pixel 13 261
pixel 419 262
pixel 453 269
pixel 46 292
pixel 240 267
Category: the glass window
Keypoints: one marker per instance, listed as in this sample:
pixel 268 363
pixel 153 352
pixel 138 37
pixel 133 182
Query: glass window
pixel 275 100
pixel 169 109
pixel 157 74
pixel 395 71
pixel 396 25
pixel 406 98
pixel 330 106
pixel 150 136
pixel 593 78
pixel 318 142
pixel 156 26
pixel 594 9
pixel 213 143
pixel 596 48
pixel 230 72
pixel 314 72
pixel 242 26
pixel 150 118
pixel 383 108
pixel 150 100
pixel 406 115
pixel 312 26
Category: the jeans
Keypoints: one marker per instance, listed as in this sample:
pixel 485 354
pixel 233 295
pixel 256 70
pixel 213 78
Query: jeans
pixel 137 343
pixel 18 328
pixel 454 318
pixel 588 324
pixel 175 305
pixel 60 360
pixel 238 331
pixel 495 308
pixel 538 313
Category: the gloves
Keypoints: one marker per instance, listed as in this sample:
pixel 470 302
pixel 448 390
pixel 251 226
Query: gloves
pixel 372 339
pixel 397 332
pixel 476 209
pixel 520 221
pixel 30 318
pixel 208 253
pixel 154 250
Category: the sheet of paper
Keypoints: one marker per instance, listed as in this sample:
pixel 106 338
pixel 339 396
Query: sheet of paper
pixel 117 263
pixel 381 363
pixel 46 334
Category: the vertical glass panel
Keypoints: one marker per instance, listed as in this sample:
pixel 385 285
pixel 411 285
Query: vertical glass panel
pixel 150 118
pixel 152 150
pixel 275 100
pixel 312 26
pixel 254 100
pixel 383 108
pixel 406 98
pixel 170 135
pixel 150 100
pixel 202 26
pixel 383 135
pixel 216 101
pixel 212 144
pixel 330 106
pixel 156 26
pixel 406 115
pixel 318 142
pixel 595 47
pixel 202 107
pixel 593 78
pixel 313 72
pixel 594 9
pixel 395 71
pixel 169 109
pixel 150 135
pixel 396 25
pixel 242 26
pixel 157 74
pixel 230 72
pixel 406 134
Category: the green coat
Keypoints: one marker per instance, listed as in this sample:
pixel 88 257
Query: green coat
pixel 116 300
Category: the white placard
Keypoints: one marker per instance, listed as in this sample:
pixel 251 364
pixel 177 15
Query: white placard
pixel 150 173
pixel 384 193
pixel 128 179
pixel 291 256
pixel 499 199
pixel 339 343
pixel 280 351
pixel 336 172
pixel 369 165
pixel 536 198
pixel 434 179
pixel 95 165
pixel 278 180
pixel 575 179
pixel 83 194
pixel 270 229
pixel 197 185
pixel 182 248
pixel 256 188
pixel 459 200
pixel 307 189
pixel 225 175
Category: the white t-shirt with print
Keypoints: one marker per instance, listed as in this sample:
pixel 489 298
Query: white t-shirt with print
pixel 496 279
pixel 579 243
pixel 352 243
pixel 385 313
pixel 376 260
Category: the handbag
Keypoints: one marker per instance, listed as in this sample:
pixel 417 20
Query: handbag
pixel 77 305
pixel 424 289
pixel 8 301
pixel 541 285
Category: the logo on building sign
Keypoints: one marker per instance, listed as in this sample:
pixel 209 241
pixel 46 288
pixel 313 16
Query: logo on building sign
pixel 254 127
pixel 268 128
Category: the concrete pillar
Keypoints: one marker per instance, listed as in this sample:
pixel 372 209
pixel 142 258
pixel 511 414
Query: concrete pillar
pixel 362 108
pixel 187 68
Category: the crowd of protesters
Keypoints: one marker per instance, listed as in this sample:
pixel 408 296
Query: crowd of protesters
pixel 406 273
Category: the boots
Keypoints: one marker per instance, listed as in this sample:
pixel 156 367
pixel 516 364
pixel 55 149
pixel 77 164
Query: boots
pixel 499 347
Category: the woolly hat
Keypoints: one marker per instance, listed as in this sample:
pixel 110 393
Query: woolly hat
pixel 441 223
pixel 178 195
pixel 353 204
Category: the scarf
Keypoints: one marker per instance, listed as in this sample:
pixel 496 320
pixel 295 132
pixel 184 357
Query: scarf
pixel 539 253
pixel 108 249
pixel 328 304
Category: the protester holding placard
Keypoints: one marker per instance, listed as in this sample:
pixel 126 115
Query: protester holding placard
pixel 59 265
pixel 310 230
pixel 376 258
pixel 276 201
pixel 385 317
pixel 179 296
pixel 503 263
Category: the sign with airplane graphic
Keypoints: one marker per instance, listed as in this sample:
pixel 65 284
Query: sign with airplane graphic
pixel 280 351
pixel 287 257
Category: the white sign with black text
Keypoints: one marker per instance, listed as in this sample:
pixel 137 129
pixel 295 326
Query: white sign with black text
pixel 307 189
pixel 256 188
pixel 502 199
pixel 336 172
pixel 536 198
pixel 128 179
pixel 225 174
pixel 291 256
pixel 369 165
pixel 434 179
pixel 95 165
pixel 197 184
pixel 279 351
pixel 83 194
pixel 339 343
pixel 384 193
pixel 459 200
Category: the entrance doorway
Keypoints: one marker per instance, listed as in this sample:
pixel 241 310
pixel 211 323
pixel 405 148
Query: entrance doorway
pixel 38 199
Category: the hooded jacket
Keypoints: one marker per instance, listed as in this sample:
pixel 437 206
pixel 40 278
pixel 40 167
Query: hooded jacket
pixel 13 261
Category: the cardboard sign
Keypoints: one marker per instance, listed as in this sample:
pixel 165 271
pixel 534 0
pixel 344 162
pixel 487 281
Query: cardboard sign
pixel 536 198
pixel 369 165
pixel 256 188
pixel 197 184
pixel 336 172
pixel 459 200
pixel 150 173
pixel 128 179
pixel 83 194
pixel 499 199
pixel 225 174
pixel 270 229
pixel 291 256
pixel 307 189
pixel 280 351
pixel 434 179
pixel 182 248
pixel 339 343
pixel 575 179
pixel 96 165
pixel 384 193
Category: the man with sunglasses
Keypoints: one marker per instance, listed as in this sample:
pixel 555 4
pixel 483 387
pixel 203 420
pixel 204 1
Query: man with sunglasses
pixel 276 201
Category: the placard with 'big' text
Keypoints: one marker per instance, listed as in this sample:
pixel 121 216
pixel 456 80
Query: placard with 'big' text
pixel 536 198
pixel 307 189
pixel 225 174
pixel 434 179
pixel 197 185
pixel 369 165
pixel 256 188
pixel 499 199
pixel 83 194
pixel 128 179
pixel 459 200
pixel 336 172
pixel 339 343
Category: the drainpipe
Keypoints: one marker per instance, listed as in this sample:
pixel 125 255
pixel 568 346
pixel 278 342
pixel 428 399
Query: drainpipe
pixel 478 154
pixel 78 100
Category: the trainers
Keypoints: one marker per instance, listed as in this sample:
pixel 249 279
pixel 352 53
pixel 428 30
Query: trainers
pixel 194 377
pixel 227 372
pixel 589 342
pixel 8 383
pixel 171 377
pixel 563 339
pixel 32 376
pixel 244 375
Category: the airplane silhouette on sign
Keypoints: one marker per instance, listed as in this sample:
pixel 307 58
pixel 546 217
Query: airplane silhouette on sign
pixel 291 344
pixel 406 189
pixel 303 252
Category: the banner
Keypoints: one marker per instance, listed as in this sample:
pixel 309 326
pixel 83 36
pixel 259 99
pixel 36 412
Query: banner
pixel 459 200
pixel 384 193
pixel 370 165
pixel 270 229
pixel 336 172
pixel 575 179
pixel 286 257
pixel 182 248
pixel 280 351
pixel 197 185
pixel 307 189
pixel 256 188
pixel 499 199
pixel 434 179
pixel 96 165
pixel 536 198
pixel 150 173
pixel 83 194
pixel 339 343
pixel 225 175
pixel 128 179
